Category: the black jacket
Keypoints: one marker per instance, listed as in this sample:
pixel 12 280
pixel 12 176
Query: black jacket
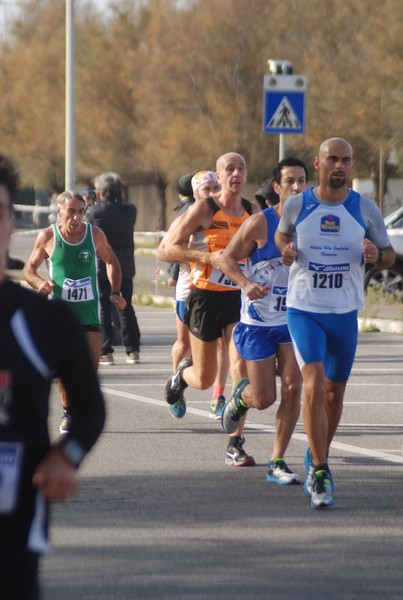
pixel 117 221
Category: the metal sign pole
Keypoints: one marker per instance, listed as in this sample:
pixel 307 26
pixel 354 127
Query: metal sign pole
pixel 281 146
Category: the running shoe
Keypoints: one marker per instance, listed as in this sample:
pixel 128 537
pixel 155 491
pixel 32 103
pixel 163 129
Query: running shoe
pixel 178 409
pixel 321 496
pixel 236 455
pixel 175 384
pixel 65 423
pixel 106 359
pixel 233 410
pixel 279 472
pixel 310 472
pixel 217 407
pixel 133 358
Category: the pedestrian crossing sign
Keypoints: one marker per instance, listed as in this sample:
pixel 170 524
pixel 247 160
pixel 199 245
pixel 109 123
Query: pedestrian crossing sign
pixel 284 104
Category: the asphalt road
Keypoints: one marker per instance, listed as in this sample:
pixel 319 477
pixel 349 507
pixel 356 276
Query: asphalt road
pixel 160 516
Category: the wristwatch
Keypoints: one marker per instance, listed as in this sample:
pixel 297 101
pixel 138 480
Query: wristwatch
pixel 72 450
pixel 381 253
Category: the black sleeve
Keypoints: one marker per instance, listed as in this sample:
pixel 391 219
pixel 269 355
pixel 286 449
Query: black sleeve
pixel 76 370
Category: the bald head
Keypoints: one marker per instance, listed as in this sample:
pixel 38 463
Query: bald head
pixel 327 146
pixel 335 165
pixel 231 174
pixel 229 157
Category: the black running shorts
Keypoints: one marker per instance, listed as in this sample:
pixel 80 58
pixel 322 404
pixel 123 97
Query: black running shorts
pixel 208 313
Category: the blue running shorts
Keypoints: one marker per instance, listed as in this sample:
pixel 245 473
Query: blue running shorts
pixel 328 338
pixel 180 309
pixel 258 343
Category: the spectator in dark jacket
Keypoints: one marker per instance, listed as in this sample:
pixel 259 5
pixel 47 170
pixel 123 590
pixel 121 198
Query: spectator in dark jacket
pixel 117 221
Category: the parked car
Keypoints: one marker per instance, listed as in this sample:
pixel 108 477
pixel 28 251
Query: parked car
pixel 391 279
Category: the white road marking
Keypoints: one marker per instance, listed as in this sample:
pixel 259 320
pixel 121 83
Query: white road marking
pixel 386 456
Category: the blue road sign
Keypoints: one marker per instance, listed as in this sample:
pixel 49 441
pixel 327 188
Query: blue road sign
pixel 284 104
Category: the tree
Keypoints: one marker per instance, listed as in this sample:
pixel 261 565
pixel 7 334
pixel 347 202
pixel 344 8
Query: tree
pixel 32 81
pixel 165 87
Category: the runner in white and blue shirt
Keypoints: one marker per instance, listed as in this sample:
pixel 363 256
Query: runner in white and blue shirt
pixel 326 278
pixel 263 322
pixel 327 234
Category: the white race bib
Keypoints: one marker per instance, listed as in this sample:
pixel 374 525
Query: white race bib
pixel 219 278
pixel 278 298
pixel 77 290
pixel 10 471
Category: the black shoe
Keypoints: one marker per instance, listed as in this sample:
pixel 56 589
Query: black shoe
pixel 236 455
pixel 233 410
pixel 175 384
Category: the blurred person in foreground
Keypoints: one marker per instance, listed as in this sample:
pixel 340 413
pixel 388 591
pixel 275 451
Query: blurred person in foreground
pixel 117 221
pixel 327 234
pixel 39 338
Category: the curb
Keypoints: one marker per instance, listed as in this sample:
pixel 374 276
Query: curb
pixel 383 325
pixel 365 324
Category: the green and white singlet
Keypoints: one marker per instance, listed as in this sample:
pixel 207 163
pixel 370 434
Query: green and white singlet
pixel 72 268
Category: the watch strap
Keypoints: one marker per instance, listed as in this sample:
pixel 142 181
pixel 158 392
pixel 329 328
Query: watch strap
pixel 72 450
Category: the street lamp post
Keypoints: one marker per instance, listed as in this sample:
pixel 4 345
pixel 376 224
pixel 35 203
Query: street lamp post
pixel 381 182
pixel 70 126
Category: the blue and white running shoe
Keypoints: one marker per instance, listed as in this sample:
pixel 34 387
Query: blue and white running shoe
pixel 321 494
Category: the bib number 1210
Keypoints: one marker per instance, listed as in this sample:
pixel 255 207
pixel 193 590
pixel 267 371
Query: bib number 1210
pixel 327 280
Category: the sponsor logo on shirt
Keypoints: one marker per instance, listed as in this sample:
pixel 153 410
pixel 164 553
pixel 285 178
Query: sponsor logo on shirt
pixel 330 224
pixel 321 268
pixel 280 290
pixel 85 256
